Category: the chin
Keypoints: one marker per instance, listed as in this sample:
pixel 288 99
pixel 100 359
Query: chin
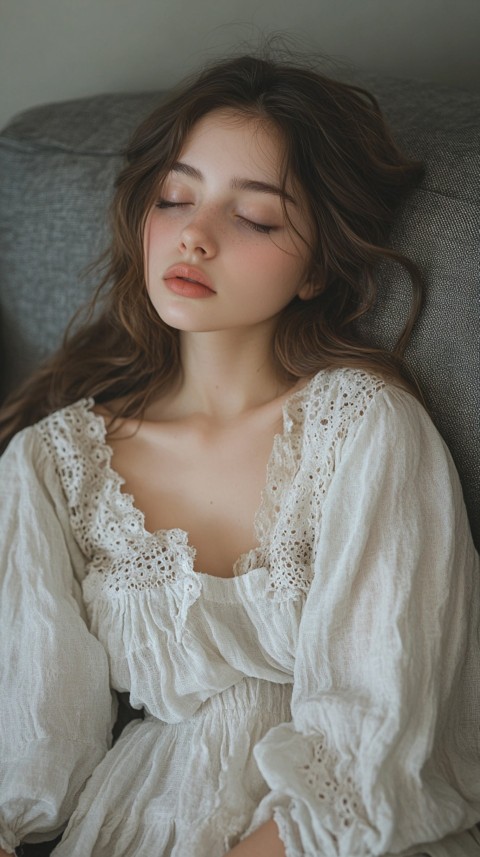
pixel 184 324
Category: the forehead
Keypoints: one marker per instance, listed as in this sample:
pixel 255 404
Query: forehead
pixel 231 138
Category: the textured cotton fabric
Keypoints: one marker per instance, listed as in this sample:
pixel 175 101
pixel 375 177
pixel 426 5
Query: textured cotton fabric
pixel 332 683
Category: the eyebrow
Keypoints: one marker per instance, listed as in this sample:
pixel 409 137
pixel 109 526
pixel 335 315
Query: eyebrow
pixel 236 183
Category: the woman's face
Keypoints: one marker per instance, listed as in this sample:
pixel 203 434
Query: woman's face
pixel 219 252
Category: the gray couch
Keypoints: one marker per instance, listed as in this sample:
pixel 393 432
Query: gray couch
pixel 57 167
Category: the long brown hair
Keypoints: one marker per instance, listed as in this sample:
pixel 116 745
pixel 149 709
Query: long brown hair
pixel 338 150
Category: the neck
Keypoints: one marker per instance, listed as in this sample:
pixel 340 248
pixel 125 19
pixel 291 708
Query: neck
pixel 226 373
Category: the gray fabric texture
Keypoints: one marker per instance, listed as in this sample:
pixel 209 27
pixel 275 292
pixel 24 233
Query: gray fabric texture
pixel 57 167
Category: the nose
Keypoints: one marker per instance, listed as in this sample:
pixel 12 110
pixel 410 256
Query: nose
pixel 197 238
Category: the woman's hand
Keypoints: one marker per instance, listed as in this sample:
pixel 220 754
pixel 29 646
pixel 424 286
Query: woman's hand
pixel 5 853
pixel 263 842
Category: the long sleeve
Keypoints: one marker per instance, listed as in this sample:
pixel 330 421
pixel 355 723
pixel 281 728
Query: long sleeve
pixel 383 751
pixel 56 709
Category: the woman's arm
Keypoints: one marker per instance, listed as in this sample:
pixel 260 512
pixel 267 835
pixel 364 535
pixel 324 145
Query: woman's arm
pixel 263 842
pixel 382 751
pixel 56 709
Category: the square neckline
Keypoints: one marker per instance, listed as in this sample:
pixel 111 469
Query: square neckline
pixel 265 514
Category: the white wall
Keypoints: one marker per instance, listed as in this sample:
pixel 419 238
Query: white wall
pixel 52 50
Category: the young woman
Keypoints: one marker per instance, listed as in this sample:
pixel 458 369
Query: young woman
pixel 223 504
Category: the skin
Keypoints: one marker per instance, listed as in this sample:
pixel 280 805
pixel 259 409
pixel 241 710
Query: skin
pixel 238 237
pixel 264 842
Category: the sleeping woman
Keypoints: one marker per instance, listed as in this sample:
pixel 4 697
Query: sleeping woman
pixel 220 503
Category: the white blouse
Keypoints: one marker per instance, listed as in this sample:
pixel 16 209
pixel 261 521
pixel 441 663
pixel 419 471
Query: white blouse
pixel 332 684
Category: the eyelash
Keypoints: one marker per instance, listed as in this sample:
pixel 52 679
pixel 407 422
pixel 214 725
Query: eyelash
pixel 164 203
pixel 257 227
pixel 250 224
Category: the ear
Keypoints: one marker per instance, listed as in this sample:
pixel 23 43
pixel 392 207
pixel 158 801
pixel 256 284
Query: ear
pixel 308 291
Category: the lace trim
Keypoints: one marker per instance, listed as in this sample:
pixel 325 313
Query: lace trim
pixel 147 564
pixel 102 516
pixel 111 530
pixel 316 421
pixel 287 833
pixel 323 776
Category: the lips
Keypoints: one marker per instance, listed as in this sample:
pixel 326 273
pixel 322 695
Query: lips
pixel 189 275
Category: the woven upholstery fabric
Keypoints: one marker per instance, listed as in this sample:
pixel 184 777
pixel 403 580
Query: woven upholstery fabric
pixel 57 168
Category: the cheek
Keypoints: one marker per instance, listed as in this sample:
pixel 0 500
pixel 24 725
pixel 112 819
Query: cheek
pixel 265 257
pixel 154 243
pixel 283 269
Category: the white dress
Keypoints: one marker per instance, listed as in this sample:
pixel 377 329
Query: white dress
pixel 332 683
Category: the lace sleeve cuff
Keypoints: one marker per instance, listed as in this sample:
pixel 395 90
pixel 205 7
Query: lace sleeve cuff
pixel 313 799
pixel 277 806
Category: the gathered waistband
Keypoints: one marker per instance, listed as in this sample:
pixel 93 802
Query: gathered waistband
pixel 250 696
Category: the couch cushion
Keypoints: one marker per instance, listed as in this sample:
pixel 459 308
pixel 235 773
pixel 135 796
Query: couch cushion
pixel 57 167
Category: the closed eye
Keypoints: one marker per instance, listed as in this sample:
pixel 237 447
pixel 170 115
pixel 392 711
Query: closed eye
pixel 257 227
pixel 166 203
pixel 263 228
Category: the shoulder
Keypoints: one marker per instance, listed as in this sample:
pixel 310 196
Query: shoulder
pixel 376 436
pixel 71 431
pixel 74 438
pixel 349 404
pixel 32 465
pixel 345 389
pixel 341 397
pixel 354 392
pixel 57 442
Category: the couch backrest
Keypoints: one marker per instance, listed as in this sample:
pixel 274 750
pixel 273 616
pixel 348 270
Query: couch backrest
pixel 57 167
